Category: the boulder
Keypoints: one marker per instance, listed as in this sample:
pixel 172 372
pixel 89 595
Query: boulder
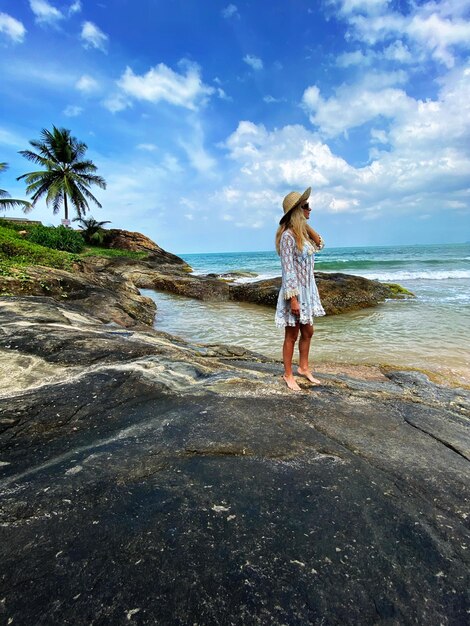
pixel 147 480
pixel 339 293
pixel 108 297
pixel 136 242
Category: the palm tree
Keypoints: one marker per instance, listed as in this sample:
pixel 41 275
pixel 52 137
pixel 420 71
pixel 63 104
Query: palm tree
pixel 9 203
pixel 65 176
pixel 92 230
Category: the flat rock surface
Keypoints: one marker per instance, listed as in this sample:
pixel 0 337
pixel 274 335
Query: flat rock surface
pixel 152 481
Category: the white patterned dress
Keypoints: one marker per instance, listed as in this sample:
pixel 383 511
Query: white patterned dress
pixel 298 280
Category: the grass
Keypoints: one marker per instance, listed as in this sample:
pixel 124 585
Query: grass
pixel 15 252
pixel 112 253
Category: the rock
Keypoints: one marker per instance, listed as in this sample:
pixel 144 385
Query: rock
pixel 145 274
pixel 108 297
pixel 136 242
pixel 154 481
pixel 339 293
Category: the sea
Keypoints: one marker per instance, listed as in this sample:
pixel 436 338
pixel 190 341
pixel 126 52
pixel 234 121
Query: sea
pixel 430 332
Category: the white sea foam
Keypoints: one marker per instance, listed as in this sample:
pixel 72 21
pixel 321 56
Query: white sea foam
pixel 416 275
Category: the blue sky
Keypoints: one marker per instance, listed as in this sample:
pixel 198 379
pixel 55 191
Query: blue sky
pixel 202 114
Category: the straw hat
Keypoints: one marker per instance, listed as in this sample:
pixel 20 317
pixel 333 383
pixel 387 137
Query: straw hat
pixel 292 201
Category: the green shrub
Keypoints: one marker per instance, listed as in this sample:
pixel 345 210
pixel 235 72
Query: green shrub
pixel 14 250
pixel 59 238
pixel 5 223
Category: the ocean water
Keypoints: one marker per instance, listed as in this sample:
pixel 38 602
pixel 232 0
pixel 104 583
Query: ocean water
pixel 430 332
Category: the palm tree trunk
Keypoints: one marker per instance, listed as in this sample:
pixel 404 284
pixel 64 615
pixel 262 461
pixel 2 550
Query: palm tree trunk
pixel 66 208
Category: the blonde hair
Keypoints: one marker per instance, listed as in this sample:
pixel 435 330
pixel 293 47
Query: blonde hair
pixel 300 229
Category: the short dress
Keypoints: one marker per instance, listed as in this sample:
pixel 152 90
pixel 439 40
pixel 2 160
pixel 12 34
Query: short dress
pixel 298 280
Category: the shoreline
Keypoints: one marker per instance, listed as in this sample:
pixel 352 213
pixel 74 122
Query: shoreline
pixel 159 450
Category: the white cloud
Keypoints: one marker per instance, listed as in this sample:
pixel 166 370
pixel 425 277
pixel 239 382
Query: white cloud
pixel 255 62
pixel 434 29
pixel 116 102
pixel 396 52
pixel 44 11
pixel 87 84
pixel 94 37
pixel 72 110
pixel 419 165
pixel 363 6
pixel 272 100
pixel 11 139
pixel 12 28
pixel 148 147
pixel 346 59
pixel 354 105
pixel 75 7
pixel 161 83
pixel 378 136
pixel 230 10
pixel 193 145
pixel 399 52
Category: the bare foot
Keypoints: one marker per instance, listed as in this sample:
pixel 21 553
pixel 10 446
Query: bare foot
pixel 291 382
pixel 308 375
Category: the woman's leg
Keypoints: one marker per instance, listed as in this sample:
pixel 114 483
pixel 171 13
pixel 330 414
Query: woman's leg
pixel 290 338
pixel 306 333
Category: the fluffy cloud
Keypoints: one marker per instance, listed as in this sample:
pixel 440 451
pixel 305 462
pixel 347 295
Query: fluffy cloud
pixel 44 11
pixel 354 105
pixel 12 28
pixel 420 165
pixel 431 28
pixel 87 84
pixel 254 62
pixel 161 83
pixel 93 37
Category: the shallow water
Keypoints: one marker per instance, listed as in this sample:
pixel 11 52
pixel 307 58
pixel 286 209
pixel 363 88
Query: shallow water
pixel 394 333
pixel 431 332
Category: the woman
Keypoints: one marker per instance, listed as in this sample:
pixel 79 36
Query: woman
pixel 299 301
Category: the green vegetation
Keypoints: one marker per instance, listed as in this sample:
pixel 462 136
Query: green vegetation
pixel 6 202
pixel 92 230
pixel 16 252
pixel 398 291
pixel 64 176
pixel 32 244
pixel 112 252
pixel 59 238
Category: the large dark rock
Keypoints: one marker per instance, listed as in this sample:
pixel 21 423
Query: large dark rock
pixel 149 481
pixel 339 293
pixel 136 242
pixel 107 296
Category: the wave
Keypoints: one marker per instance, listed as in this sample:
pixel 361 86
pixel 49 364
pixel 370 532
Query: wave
pixel 416 275
pixel 375 264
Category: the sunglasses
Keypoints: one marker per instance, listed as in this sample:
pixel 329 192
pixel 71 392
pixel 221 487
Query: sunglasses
pixel 305 206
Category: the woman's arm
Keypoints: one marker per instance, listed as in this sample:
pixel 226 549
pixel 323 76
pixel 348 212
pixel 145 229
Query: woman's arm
pixel 315 238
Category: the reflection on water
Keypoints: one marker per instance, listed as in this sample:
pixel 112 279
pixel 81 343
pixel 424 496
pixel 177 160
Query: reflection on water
pixel 406 333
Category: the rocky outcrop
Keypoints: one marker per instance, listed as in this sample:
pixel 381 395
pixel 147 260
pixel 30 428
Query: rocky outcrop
pixel 150 481
pixel 136 242
pixel 339 293
pixel 107 296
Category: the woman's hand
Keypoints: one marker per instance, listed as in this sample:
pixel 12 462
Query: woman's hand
pixel 294 306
